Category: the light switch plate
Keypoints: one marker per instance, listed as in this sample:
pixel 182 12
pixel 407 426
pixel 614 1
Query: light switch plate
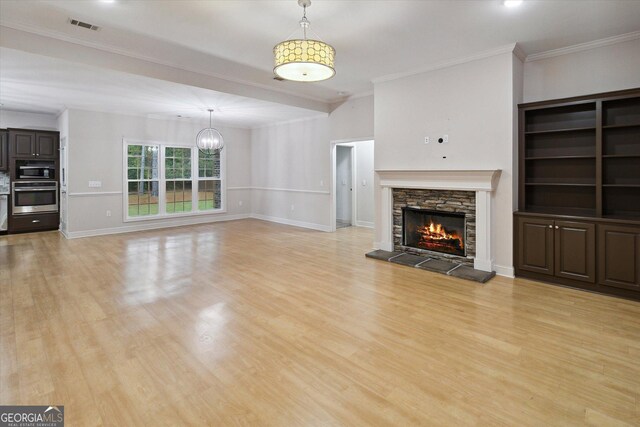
pixel 95 184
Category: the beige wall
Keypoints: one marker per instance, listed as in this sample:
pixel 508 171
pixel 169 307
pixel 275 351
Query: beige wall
pixel 292 163
pixel 19 119
pixel 95 154
pixel 602 69
pixel 474 104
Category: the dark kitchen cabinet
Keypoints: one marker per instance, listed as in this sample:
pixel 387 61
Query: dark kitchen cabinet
pixel 575 250
pixel 578 171
pixel 33 144
pixel 619 261
pixel 535 250
pixel 22 143
pixel 4 150
pixel 34 222
pixel 47 145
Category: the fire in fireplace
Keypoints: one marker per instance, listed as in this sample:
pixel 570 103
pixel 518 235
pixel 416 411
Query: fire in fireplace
pixel 434 230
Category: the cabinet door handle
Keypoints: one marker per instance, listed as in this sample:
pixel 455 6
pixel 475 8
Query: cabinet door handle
pixel 35 221
pixel 557 227
pixel 550 226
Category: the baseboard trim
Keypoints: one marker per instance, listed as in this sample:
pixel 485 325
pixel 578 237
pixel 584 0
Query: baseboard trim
pixel 505 271
pixel 145 226
pixel 365 224
pixel 292 222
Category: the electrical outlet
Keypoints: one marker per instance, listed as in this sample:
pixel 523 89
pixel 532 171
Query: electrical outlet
pixel 293 208
pixel 426 139
pixel 108 213
pixel 240 203
pixel 321 183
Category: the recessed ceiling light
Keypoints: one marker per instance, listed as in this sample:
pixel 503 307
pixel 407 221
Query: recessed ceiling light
pixel 512 3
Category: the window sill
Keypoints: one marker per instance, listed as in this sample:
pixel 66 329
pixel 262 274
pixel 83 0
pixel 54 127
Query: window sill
pixel 179 215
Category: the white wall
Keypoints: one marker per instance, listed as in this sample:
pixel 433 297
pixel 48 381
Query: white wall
pixel 601 69
pixel 292 164
pixel 364 184
pixel 473 103
pixel 19 119
pixel 95 153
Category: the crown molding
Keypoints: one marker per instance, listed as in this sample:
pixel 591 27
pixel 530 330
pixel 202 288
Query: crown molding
pixel 135 55
pixel 584 46
pixel 450 63
pixel 519 52
pixel 292 121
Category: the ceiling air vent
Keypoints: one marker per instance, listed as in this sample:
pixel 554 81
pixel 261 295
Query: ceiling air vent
pixel 83 24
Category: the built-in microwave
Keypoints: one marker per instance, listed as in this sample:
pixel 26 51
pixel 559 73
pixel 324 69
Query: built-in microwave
pixel 27 169
pixel 34 197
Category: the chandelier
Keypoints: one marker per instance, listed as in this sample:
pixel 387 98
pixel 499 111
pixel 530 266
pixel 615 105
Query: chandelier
pixel 209 140
pixel 304 60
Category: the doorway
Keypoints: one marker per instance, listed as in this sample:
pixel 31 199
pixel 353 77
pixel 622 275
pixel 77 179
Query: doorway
pixel 352 201
pixel 344 186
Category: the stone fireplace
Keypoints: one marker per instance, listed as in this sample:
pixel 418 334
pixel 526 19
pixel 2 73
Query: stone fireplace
pixel 437 223
pixel 440 197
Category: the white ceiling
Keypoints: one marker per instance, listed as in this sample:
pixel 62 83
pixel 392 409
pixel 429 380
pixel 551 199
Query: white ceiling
pixel 42 84
pixel 374 38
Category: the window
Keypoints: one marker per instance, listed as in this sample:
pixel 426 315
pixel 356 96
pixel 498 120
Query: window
pixel 209 185
pixel 142 180
pixel 178 189
pixel 169 180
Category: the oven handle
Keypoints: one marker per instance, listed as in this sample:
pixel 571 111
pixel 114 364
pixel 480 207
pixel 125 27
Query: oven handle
pixel 17 190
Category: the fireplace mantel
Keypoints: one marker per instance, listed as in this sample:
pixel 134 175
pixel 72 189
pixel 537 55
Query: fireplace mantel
pixel 463 180
pixel 483 182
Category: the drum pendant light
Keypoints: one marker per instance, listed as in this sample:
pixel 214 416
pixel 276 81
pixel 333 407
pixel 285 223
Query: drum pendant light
pixel 304 60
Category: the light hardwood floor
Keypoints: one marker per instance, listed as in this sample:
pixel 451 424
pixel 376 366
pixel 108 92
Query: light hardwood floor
pixel 253 323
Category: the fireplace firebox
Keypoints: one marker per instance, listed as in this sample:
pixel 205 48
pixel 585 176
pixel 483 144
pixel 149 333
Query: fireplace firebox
pixel 434 230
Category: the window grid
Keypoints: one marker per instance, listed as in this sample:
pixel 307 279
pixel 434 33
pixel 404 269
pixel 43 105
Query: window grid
pixel 142 180
pixel 169 180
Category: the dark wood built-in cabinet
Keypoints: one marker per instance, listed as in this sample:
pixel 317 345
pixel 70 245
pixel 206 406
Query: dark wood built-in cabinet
pixel 33 144
pixel 29 148
pixel 578 219
pixel 4 151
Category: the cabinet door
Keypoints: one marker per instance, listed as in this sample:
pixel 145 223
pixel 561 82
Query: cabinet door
pixel 619 256
pixel 575 250
pixel 535 245
pixel 22 144
pixel 4 151
pixel 47 146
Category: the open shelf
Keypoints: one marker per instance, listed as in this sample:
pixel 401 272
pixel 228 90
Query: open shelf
pixel 621 201
pixel 574 171
pixel 621 140
pixel 565 198
pixel 563 118
pixel 633 125
pixel 580 143
pixel 560 183
pixel 621 112
pixel 559 157
pixel 555 210
pixel 582 157
pixel 621 170
pixel 543 132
